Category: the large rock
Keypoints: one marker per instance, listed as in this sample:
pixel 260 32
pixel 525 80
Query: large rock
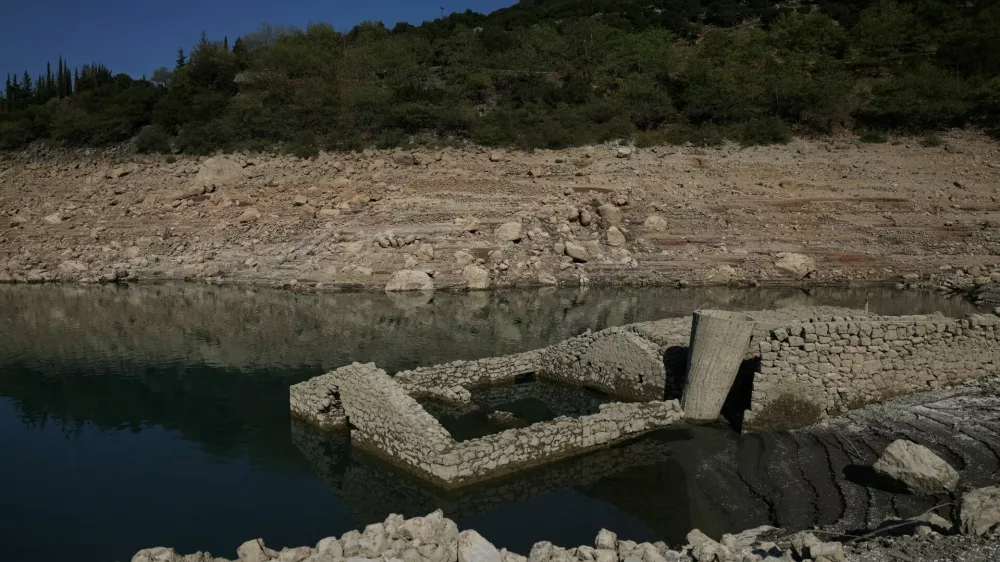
pixel 798 266
pixel 477 277
pixel 704 549
pixel 509 232
pixel 576 251
pixel 655 223
pixel 980 511
pixel 250 215
pixel 219 171
pixel 410 280
pixel 610 215
pixel 54 218
pixel 255 551
pixel 606 540
pixel 615 237
pixel 159 554
pixel 472 547
pixel 917 467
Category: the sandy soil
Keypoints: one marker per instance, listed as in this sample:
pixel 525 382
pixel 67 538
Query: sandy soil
pixel 839 211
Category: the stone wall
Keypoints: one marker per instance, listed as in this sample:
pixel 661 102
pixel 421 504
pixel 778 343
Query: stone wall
pixel 451 382
pixel 317 401
pixel 388 422
pixel 813 370
pixel 386 419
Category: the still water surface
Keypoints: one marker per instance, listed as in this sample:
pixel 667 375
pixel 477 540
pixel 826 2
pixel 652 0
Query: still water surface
pixel 158 415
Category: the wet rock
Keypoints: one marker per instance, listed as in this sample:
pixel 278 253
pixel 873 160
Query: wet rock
pixel 794 265
pixel 980 511
pixel 472 547
pixel 615 237
pixel 505 419
pixel 655 223
pixel 476 277
pixel 409 280
pixel 509 232
pixel 917 467
pixel 610 215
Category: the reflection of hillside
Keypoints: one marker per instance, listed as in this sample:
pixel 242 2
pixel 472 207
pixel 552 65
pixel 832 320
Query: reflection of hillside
pixel 371 488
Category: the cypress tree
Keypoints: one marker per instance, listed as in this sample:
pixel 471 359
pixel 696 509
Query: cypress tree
pixel 49 85
pixel 69 79
pixel 225 43
pixel 60 77
pixel 76 80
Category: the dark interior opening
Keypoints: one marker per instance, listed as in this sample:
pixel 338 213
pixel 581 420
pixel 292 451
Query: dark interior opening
pixel 739 398
pixel 675 360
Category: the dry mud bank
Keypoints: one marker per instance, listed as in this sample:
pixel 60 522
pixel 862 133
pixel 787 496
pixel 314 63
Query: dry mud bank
pixel 814 212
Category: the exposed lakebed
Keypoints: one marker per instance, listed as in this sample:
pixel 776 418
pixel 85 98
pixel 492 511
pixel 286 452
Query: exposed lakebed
pixel 132 417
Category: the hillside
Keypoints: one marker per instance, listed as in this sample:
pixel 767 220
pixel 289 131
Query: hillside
pixel 544 74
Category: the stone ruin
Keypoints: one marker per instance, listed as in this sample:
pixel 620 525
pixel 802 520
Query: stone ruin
pixel 767 370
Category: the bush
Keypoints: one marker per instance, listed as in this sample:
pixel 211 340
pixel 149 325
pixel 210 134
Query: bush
pixel 766 130
pixel 932 140
pixel 171 159
pixel 152 139
pixel 15 134
pixel 870 136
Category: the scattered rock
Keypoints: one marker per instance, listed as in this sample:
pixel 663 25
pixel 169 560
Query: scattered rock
pixel 980 511
pixel 917 467
pixel 576 251
pixel 254 551
pixel 219 171
pixel 410 280
pixel 704 549
pixel 403 159
pixel 497 156
pixel 159 554
pixel 54 218
pixel 655 223
pixel 615 237
pixel 546 278
pixel 536 173
pixel 250 215
pixel 476 277
pixel 509 232
pixel 472 547
pixel 606 540
pixel 623 152
pixel 299 200
pixel 798 266
pixel 610 215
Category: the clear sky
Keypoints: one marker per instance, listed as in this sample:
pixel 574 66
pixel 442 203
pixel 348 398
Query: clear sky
pixel 138 36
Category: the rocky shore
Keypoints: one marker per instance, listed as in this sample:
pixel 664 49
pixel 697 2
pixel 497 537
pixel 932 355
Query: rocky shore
pixel 434 538
pixel 813 212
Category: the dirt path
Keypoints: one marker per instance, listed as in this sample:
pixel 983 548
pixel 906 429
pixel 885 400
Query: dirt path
pixel 839 211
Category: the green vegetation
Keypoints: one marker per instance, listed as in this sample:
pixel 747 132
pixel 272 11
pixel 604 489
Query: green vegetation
pixel 544 73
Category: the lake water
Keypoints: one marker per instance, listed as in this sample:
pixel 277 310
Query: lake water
pixel 133 417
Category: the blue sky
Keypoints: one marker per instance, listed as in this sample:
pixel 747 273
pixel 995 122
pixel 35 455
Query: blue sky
pixel 138 36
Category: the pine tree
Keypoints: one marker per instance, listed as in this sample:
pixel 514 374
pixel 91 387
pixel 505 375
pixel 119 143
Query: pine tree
pixel 225 43
pixel 69 79
pixel 180 58
pixel 50 87
pixel 60 80
pixel 27 81
pixel 238 48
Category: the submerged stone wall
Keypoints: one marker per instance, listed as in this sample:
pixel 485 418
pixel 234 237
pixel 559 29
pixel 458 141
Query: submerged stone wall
pixel 814 370
pixel 390 423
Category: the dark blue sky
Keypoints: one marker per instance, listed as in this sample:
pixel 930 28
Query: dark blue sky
pixel 137 36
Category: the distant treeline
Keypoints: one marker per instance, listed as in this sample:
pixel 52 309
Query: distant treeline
pixel 544 73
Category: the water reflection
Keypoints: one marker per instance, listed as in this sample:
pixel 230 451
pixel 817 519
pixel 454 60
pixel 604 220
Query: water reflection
pixel 158 415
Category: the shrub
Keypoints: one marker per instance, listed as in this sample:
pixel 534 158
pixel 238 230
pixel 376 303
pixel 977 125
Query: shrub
pixel 766 130
pixel 152 139
pixel 171 159
pixel 931 140
pixel 871 136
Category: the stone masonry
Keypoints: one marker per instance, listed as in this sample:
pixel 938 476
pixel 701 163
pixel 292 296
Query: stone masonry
pixel 388 422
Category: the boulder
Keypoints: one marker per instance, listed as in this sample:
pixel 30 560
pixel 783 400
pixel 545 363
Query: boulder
pixel 409 280
pixel 497 156
pixel 655 223
pixel 541 552
pixel 917 467
pixel 477 277
pixel 624 152
pixel 610 215
pixel 295 554
pixel 250 215
pixel 509 232
pixel 605 540
pixel 980 511
pixel 219 171
pixel 472 547
pixel 576 251
pixel 586 217
pixel 403 159
pixel 158 554
pixel 704 549
pixel 798 266
pixel 615 237
pixel 255 551
pixel 331 546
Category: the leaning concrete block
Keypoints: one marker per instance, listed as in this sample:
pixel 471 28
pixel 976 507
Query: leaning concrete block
pixel 719 342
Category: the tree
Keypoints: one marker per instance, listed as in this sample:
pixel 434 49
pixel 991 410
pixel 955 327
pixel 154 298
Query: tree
pixel 180 58
pixel 225 43
pixel 161 77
